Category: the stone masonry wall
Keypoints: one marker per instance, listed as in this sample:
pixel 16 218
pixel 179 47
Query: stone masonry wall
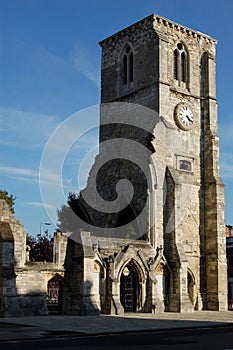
pixel 198 190
pixel 18 231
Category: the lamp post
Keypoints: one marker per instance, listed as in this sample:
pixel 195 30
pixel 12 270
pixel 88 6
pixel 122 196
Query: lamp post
pixel 44 223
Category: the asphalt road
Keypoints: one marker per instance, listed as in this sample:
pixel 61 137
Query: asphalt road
pixel 217 338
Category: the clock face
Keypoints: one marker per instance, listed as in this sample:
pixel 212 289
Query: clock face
pixel 184 117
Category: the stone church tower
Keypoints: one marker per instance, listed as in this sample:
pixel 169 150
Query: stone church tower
pixel 158 89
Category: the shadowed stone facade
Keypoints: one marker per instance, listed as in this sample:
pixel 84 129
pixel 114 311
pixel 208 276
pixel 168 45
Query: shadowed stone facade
pixel 23 284
pixel 156 76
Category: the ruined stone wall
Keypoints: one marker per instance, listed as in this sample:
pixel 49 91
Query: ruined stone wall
pixel 32 282
pixel 18 231
pixel 23 284
pixel 59 248
pixel 9 305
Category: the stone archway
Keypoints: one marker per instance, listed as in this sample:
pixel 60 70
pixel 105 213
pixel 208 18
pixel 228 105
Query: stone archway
pixel 98 283
pixel 190 286
pixel 131 288
pixel 54 294
pixel 161 292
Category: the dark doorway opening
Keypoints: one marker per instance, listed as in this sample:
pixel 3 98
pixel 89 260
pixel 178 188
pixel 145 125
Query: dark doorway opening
pixel 54 294
pixel 130 289
pixel 190 287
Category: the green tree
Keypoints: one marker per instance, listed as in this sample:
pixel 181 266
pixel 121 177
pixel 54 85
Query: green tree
pixel 67 213
pixel 78 208
pixel 41 247
pixel 9 198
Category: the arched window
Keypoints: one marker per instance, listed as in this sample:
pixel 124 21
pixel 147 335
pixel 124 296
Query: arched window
pixel 131 67
pixel 128 66
pixel 176 64
pixel 180 64
pixel 125 69
pixel 54 294
pixel 183 67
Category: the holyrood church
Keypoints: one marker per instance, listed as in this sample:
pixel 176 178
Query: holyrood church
pixel 159 243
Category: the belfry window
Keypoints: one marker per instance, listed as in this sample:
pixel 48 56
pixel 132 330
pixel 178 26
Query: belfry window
pixel 125 69
pixel 128 69
pixel 176 64
pixel 131 67
pixel 180 64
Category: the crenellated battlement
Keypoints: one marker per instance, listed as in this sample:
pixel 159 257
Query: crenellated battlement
pixel 157 22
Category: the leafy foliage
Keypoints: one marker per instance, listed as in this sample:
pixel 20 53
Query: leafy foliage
pixel 66 217
pixel 9 198
pixel 41 247
pixel 77 208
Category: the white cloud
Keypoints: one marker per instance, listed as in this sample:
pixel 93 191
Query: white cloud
pixel 227 171
pixel 25 129
pixel 24 179
pixel 29 130
pixel 227 165
pixel 19 171
pixel 49 179
pixel 84 63
pixel 225 134
pixel 40 205
pixel 226 143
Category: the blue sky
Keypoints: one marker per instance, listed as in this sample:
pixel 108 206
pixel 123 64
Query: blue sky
pixel 50 69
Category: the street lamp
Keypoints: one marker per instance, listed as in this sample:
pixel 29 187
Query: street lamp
pixel 44 223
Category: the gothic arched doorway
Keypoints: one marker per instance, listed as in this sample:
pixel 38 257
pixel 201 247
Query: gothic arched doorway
pixel 54 294
pixel 130 288
pixel 191 283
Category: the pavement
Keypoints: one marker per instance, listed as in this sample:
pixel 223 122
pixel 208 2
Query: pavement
pixel 15 328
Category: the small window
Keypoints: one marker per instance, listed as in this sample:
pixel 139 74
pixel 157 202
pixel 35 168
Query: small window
pixel 176 64
pixel 131 67
pixel 128 66
pixel 125 69
pixel 183 67
pixel 180 64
